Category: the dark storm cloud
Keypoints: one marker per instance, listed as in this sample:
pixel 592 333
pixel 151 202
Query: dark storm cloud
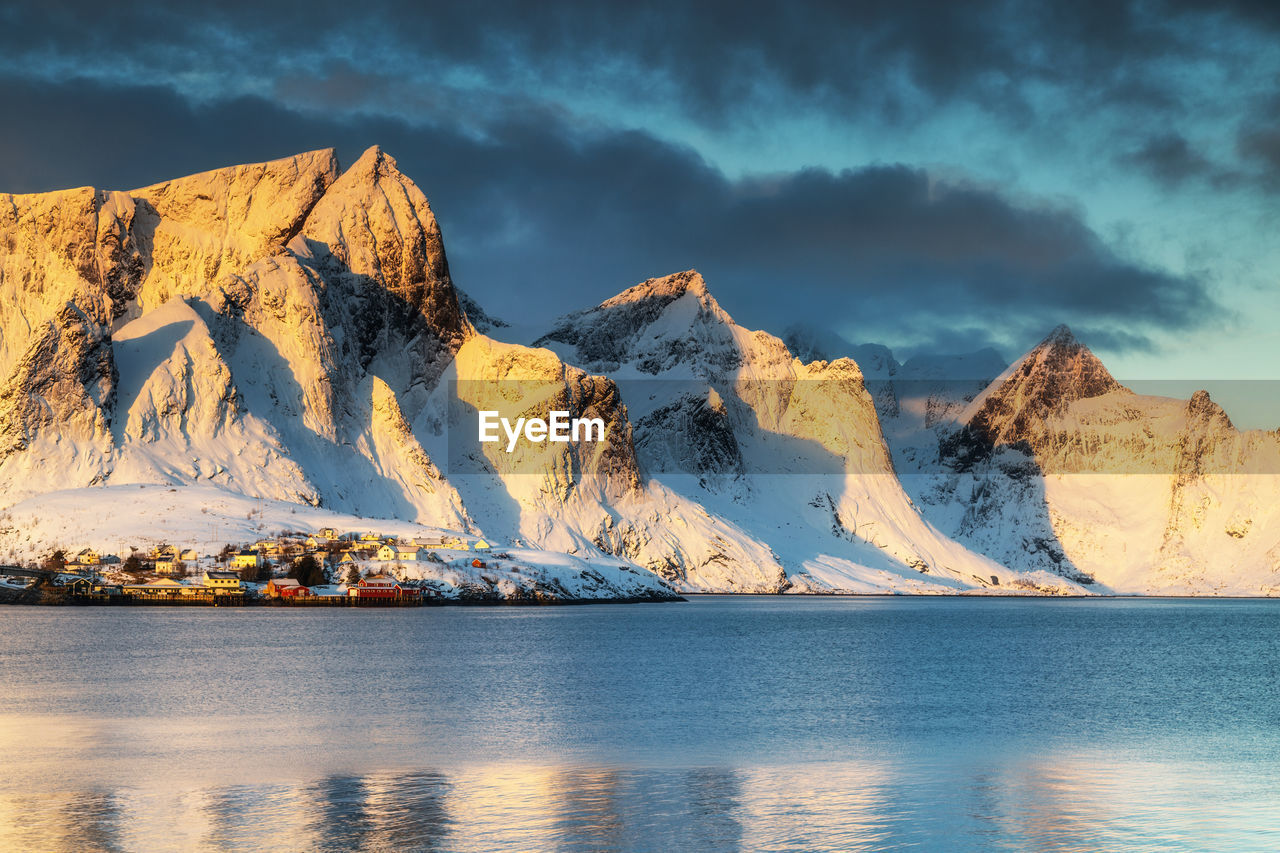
pixel 540 217
pixel 1260 144
pixel 1173 162
pixel 712 56
pixel 1170 159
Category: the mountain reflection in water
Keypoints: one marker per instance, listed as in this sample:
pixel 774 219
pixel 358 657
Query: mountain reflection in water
pixel 1076 804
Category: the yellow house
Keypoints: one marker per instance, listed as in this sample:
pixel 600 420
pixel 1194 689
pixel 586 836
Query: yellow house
pixel 246 560
pixel 386 552
pixel 408 552
pixel 166 567
pixel 481 545
pixel 88 557
pixel 190 554
pixel 222 582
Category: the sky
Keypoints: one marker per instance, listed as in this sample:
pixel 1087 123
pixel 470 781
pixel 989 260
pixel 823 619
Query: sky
pixel 937 177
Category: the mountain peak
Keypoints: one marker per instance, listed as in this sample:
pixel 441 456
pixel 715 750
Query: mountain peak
pixel 374 161
pixel 658 324
pixel 1061 335
pixel 1042 384
pixel 1062 353
pixel 665 288
pixel 377 222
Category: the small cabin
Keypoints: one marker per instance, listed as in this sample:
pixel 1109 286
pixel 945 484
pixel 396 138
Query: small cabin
pixel 80 586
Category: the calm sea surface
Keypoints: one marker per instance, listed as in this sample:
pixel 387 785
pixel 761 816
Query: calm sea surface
pixel 757 723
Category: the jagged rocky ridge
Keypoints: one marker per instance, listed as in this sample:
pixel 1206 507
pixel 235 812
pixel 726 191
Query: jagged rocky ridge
pixel 291 331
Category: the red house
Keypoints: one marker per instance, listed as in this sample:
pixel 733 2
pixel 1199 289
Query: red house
pixel 382 586
pixel 285 588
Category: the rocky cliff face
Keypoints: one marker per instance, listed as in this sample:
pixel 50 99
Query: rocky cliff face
pixel 63 387
pixel 1035 391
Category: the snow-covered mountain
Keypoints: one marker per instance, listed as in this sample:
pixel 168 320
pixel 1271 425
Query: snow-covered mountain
pixel 289 331
pixel 1055 464
pixel 790 453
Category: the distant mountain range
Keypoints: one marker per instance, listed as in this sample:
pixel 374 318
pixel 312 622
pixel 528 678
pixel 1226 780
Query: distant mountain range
pixel 291 331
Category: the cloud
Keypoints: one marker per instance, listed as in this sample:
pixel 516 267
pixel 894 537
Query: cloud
pixel 1259 144
pixel 720 60
pixel 1170 159
pixel 542 217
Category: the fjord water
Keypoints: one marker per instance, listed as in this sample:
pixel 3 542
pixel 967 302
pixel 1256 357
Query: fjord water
pixel 724 723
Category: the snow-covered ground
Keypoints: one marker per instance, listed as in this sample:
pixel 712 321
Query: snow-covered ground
pixel 116 519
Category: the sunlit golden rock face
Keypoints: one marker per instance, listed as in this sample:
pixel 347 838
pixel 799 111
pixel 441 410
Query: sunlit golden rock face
pixel 198 232
pixel 248 309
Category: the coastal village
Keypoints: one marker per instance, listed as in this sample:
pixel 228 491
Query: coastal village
pixel 327 567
